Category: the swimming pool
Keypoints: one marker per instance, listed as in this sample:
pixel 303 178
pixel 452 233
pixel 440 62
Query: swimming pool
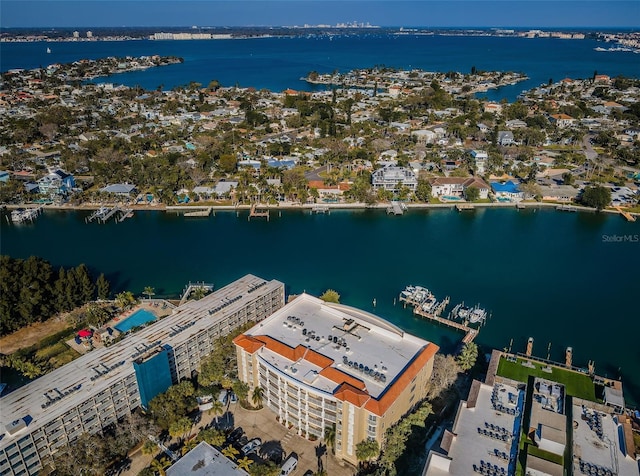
pixel 450 198
pixel 136 319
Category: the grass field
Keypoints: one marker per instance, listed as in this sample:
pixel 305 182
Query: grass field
pixel 576 384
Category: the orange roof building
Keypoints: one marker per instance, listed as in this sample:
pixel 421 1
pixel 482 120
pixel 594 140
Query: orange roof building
pixel 322 364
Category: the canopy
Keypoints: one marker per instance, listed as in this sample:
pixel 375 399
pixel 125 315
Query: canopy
pixel 85 333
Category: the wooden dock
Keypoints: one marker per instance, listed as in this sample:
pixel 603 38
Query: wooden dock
pixel 205 212
pixel 464 206
pixel 566 208
pixel 320 209
pixel 625 214
pixel 256 213
pixel 470 333
pixel 396 208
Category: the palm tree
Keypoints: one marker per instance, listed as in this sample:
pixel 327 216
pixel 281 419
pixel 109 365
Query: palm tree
pixel 188 446
pixel 257 396
pixel 244 463
pixel 217 408
pixel 330 436
pixel 367 449
pixel 230 452
pixel 149 291
pixel 179 428
pixel 159 465
pixel 125 299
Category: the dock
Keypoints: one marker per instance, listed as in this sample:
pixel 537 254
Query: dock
pixel 520 206
pixel 109 214
pixel 470 333
pixel 124 214
pixel 27 214
pixel 566 208
pixel 464 206
pixel 396 208
pixel 190 287
pixel 320 209
pixel 205 212
pixel 626 214
pixel 256 213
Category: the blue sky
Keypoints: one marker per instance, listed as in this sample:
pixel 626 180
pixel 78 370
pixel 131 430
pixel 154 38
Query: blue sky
pixel 428 13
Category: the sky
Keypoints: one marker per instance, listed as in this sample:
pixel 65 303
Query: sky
pixel 407 13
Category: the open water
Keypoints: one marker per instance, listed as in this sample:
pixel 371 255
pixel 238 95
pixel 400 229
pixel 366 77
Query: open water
pixel 565 278
pixel 279 63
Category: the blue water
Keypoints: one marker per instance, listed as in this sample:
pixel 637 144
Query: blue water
pixel 138 318
pixel 279 63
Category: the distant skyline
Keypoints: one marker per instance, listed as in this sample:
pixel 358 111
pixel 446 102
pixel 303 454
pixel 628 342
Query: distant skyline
pixel 408 13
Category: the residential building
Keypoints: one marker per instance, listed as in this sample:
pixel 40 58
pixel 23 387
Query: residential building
pixel 108 383
pixel 392 178
pixel 424 136
pixel 505 138
pixel 456 186
pixel 205 460
pixel 562 433
pixel 323 364
pixel 480 159
pixel 121 189
pixel 561 120
pixel 508 190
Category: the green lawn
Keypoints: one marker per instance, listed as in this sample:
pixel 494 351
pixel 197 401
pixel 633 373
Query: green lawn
pixel 576 384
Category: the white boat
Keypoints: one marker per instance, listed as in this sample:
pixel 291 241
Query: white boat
pixel 477 315
pixel 429 304
pixel 48 50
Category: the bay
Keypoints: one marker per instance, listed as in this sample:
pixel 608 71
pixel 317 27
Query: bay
pixel 278 63
pixel 562 278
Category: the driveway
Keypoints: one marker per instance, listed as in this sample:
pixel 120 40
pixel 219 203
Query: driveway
pixel 263 424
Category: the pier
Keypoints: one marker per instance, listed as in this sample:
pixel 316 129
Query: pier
pixel 627 215
pixel 320 209
pixel 190 287
pixel 205 212
pixel 22 215
pixel 566 208
pixel 464 206
pixel 256 213
pixel 470 333
pixel 396 208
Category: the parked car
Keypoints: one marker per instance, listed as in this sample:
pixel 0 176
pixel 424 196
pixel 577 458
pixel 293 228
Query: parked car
pixel 235 434
pixel 252 446
pixel 289 465
pixel 233 398
pixel 222 398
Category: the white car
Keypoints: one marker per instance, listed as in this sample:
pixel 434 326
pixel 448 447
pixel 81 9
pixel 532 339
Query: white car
pixel 252 446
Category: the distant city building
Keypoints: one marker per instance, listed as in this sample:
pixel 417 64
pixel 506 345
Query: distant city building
pixel 108 383
pixel 323 364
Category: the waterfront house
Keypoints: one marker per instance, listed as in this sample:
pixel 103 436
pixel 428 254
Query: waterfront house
pixel 223 188
pixel 456 186
pixel 507 190
pixel 120 189
pixel 392 178
pixel 559 193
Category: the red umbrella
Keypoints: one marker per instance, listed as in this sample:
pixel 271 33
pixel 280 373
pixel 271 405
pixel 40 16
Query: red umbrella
pixel 85 333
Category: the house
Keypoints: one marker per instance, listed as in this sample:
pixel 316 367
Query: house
pixel 561 120
pixel 224 188
pixel 493 108
pixel 424 136
pixel 559 193
pixel 392 178
pixel 516 124
pixel 120 189
pixel 329 193
pixel 505 138
pixel 203 192
pixel 508 190
pixel 456 186
pixel 4 176
pixel 480 158
pixel 55 183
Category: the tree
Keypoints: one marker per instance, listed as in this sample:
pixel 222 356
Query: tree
pixel 367 449
pixel 256 397
pixel 330 436
pixel 217 408
pixel 212 436
pixel 230 452
pixel 567 178
pixel 125 299
pixel 149 291
pixel 468 356
pixel 330 296
pixel 179 428
pixel 597 196
pixel 160 464
pixel 264 469
pixel 445 372
pixel 241 389
pixel 423 190
pixel 472 193
pixel 244 463
pixel 103 287
pixel 149 448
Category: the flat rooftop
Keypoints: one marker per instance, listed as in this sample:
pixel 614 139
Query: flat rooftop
pixel 72 384
pixel 597 440
pixel 341 338
pixel 205 460
pixel 470 445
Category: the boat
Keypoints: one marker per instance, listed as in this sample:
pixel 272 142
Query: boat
pixel 429 304
pixel 48 50
pixel 477 314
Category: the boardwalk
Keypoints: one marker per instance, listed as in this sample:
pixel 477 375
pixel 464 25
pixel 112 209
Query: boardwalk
pixel 625 214
pixel 470 333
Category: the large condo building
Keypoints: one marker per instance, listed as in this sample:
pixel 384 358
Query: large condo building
pixel 323 364
pixel 108 383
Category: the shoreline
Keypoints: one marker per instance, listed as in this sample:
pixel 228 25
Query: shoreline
pixel 328 206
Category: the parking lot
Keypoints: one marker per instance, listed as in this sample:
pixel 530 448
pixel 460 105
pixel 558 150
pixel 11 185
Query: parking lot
pixel 274 436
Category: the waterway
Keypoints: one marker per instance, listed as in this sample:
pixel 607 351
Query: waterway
pixel 279 63
pixel 569 279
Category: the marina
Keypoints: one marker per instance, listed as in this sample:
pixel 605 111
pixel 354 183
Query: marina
pixel 460 318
